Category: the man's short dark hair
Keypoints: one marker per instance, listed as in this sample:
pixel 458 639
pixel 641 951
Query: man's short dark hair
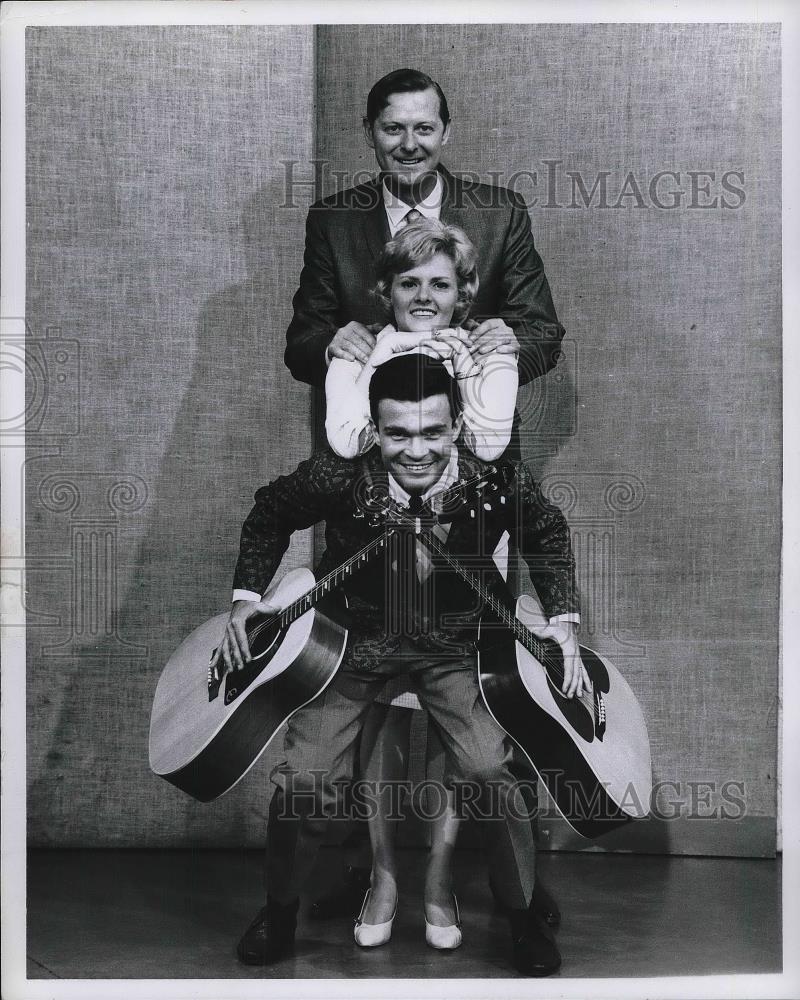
pixel 403 81
pixel 412 378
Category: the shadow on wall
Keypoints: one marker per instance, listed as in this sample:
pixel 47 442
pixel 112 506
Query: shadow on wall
pixel 242 419
pixel 548 409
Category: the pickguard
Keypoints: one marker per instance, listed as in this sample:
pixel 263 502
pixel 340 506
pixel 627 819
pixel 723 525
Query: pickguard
pixel 262 649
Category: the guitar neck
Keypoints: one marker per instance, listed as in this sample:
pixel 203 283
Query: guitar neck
pixel 501 606
pixel 546 651
pixel 333 579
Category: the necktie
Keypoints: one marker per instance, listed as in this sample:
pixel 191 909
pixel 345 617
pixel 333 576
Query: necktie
pixel 412 216
pixel 418 601
pixel 407 596
pixel 414 507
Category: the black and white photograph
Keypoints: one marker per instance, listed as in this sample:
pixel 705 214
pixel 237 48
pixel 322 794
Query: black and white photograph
pixel 398 547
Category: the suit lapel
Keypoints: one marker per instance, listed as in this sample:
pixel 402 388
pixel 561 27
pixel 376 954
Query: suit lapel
pixel 375 225
pixel 453 204
pixel 373 472
pixel 462 536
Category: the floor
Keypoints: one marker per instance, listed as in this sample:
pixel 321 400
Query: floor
pixel 178 914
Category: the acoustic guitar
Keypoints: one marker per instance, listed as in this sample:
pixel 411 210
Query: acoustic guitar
pixel 592 751
pixel 206 732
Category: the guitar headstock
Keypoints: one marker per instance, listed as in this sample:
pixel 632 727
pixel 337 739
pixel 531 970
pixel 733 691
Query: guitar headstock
pixel 463 497
pixel 494 484
pixel 378 508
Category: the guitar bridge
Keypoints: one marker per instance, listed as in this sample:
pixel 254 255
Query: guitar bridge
pixel 213 681
pixel 599 715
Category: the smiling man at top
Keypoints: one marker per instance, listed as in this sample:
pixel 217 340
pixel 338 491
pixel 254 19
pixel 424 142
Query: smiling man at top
pixel 408 124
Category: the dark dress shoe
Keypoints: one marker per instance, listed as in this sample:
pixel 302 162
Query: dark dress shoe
pixel 343 900
pixel 543 904
pixel 535 951
pixel 270 937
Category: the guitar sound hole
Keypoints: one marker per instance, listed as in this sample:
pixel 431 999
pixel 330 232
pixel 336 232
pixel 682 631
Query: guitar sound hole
pixel 264 639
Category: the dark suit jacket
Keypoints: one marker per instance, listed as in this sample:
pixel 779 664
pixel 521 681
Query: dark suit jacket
pixel 326 487
pixel 345 235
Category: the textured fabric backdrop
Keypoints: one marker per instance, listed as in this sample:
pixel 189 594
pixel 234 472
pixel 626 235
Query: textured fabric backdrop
pixel 159 254
pixel 659 433
pixel 158 246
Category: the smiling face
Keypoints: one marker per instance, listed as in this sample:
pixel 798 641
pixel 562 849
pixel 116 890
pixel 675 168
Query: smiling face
pixel 424 297
pixel 407 137
pixel 416 440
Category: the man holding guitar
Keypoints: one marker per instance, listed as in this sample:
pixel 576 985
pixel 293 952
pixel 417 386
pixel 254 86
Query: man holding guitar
pixel 408 613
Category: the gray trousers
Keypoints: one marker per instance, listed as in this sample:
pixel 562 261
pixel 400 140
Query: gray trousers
pixel 320 747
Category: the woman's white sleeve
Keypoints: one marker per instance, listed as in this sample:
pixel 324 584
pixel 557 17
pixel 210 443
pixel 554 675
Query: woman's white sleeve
pixel 489 399
pixel 348 425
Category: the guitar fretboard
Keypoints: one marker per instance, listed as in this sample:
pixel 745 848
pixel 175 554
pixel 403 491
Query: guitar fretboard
pixel 328 583
pixel 303 604
pixel 498 606
pixel 337 576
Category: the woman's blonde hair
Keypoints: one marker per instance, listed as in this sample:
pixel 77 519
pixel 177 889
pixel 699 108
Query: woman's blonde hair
pixel 415 244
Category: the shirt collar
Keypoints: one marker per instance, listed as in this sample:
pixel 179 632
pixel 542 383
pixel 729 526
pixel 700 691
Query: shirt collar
pixel 397 210
pixel 446 480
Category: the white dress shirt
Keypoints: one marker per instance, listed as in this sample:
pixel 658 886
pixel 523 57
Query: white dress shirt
pixel 397 209
pixel 424 566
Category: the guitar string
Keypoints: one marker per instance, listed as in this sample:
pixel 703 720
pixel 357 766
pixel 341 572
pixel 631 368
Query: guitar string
pixel 522 635
pixel 287 615
pixel 302 604
pixel 506 616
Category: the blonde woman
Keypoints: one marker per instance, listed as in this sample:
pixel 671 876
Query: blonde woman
pixel 427 282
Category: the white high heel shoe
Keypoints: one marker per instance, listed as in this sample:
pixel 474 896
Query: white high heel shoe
pixel 372 935
pixel 445 938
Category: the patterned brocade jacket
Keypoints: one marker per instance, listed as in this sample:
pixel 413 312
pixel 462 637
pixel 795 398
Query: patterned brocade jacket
pixel 331 489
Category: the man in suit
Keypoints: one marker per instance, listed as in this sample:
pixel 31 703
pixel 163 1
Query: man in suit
pixel 407 125
pixel 429 635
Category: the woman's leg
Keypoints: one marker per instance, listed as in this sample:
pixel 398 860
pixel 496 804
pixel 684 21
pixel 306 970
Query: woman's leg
pixel 384 760
pixel 439 909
